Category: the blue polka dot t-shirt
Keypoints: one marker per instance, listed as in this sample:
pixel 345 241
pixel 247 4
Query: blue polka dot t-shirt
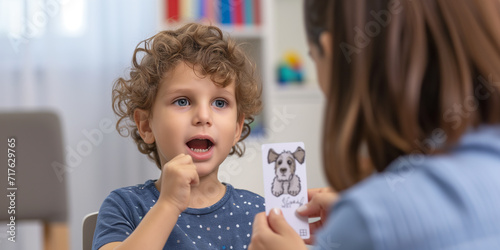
pixel 225 225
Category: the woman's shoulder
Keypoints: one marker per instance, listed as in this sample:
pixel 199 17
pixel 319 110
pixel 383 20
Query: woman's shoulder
pixel 472 163
pixel 449 179
pixel 418 194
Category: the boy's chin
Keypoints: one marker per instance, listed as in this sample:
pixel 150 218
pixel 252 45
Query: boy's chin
pixel 205 169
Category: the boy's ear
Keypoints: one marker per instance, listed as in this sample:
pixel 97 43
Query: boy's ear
pixel 325 40
pixel 239 129
pixel 141 118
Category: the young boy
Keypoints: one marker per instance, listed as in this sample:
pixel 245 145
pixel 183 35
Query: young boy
pixel 191 97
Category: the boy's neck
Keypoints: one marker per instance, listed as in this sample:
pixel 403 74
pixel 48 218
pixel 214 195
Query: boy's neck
pixel 209 191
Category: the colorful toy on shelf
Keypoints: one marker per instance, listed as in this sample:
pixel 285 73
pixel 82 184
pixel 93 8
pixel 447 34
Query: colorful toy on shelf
pixel 290 69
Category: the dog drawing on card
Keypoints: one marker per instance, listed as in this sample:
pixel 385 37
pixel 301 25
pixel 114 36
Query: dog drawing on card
pixel 286 181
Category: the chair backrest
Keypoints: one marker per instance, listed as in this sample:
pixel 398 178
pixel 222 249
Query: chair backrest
pixel 34 139
pixel 88 229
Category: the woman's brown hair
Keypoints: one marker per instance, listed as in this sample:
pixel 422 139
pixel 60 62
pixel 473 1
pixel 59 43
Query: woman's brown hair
pixel 403 70
pixel 210 54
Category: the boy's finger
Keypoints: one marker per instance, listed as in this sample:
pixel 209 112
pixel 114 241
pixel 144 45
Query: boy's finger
pixel 182 159
pixel 188 171
pixel 195 178
pixel 178 160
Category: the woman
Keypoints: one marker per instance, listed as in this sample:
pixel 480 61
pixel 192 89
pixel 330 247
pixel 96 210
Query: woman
pixel 418 83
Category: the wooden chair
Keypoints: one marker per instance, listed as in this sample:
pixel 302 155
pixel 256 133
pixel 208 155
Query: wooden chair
pixel 36 146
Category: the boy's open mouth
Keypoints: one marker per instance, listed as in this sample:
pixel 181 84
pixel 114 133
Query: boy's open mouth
pixel 200 145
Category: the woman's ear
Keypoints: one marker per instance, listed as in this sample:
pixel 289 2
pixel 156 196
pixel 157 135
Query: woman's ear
pixel 239 129
pixel 141 118
pixel 325 41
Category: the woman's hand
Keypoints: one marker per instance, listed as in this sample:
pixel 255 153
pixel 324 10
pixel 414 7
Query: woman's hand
pixel 320 201
pixel 273 232
pixel 178 175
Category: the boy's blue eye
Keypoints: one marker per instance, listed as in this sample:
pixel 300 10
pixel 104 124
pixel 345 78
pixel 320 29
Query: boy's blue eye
pixel 220 103
pixel 182 102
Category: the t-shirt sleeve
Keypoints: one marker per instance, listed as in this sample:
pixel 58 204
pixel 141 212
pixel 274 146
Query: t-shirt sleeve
pixel 113 222
pixel 345 229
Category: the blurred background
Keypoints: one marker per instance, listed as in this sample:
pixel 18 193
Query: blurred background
pixel 63 56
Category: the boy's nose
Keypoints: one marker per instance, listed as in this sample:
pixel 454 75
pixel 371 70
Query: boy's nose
pixel 203 116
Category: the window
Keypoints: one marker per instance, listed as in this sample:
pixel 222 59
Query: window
pixel 27 19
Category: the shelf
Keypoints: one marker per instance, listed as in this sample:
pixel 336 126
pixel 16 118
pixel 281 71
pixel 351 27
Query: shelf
pixel 238 18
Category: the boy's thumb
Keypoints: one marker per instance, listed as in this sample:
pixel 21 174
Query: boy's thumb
pixel 278 223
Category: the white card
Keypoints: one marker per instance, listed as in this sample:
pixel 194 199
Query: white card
pixel 285 182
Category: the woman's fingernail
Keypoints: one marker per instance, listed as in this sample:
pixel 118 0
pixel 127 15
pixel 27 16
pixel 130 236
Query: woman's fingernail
pixel 301 209
pixel 276 211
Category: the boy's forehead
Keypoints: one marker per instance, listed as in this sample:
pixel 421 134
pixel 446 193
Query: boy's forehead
pixel 184 79
pixel 183 72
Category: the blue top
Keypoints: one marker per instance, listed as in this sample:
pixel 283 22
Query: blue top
pixel 448 201
pixel 225 225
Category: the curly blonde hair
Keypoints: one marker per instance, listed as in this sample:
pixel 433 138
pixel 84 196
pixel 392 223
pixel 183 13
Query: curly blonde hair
pixel 202 46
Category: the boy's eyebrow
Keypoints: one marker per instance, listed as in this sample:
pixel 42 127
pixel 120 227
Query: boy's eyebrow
pixel 169 91
pixel 188 90
pixel 227 91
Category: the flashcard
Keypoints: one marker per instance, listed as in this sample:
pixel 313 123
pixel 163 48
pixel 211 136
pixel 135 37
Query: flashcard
pixel 285 182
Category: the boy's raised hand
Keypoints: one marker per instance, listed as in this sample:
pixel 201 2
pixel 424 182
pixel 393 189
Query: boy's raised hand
pixel 178 175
